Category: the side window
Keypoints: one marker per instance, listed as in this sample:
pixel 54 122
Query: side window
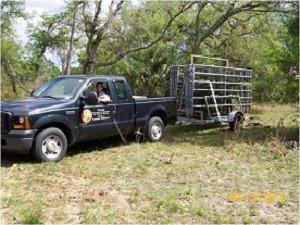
pixel 120 90
pixel 93 86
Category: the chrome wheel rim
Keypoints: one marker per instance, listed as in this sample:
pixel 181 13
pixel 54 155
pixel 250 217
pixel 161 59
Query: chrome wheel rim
pixel 156 130
pixel 52 146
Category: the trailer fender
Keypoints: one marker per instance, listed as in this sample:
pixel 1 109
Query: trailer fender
pixel 232 114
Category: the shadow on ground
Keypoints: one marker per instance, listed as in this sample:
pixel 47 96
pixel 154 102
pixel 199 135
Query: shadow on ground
pixel 99 145
pixel 204 136
pixel 218 136
pixel 8 159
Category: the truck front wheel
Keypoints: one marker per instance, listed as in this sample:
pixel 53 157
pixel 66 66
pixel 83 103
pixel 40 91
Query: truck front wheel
pixel 50 145
pixel 155 129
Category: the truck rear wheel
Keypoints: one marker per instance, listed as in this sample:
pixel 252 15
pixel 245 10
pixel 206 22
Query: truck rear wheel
pixel 50 145
pixel 155 129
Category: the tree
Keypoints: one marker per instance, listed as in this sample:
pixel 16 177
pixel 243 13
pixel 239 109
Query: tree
pixel 146 71
pixel 142 41
pixel 10 11
pixel 73 9
pixel 98 27
pixel 247 33
pixel 11 52
pixel 10 55
pixel 49 34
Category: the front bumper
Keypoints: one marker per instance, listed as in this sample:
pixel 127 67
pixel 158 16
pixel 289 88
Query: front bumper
pixel 18 141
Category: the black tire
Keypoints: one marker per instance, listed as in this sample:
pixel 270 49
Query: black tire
pixel 237 123
pixel 155 129
pixel 50 145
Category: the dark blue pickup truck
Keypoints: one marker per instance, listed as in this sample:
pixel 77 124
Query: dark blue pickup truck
pixel 66 110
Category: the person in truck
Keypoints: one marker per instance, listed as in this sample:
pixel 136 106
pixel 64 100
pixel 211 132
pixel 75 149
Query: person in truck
pixel 102 96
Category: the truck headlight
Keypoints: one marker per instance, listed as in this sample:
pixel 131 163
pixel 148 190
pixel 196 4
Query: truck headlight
pixel 21 122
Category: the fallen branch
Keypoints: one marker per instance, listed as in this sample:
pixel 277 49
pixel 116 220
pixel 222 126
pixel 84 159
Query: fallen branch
pixel 11 169
pixel 119 131
pixel 14 76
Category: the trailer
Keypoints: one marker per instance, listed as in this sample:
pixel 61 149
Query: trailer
pixel 212 94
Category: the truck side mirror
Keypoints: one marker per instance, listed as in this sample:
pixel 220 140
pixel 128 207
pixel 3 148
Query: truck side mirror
pixel 92 98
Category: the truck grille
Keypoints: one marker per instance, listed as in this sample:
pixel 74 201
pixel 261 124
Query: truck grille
pixel 5 122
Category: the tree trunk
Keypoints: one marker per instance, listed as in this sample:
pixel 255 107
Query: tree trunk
pixel 36 73
pixel 87 66
pixel 10 76
pixel 70 51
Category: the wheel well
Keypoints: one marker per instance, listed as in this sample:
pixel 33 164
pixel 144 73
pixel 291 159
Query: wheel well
pixel 162 115
pixel 66 130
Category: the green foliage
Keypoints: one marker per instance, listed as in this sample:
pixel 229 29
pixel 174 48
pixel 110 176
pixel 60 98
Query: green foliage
pixel 18 72
pixel 271 67
pixel 33 215
pixel 49 35
pixel 10 10
pixel 260 35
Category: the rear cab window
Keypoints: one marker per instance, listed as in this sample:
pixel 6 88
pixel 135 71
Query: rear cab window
pixel 121 90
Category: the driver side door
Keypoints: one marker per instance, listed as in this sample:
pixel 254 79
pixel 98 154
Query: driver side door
pixel 97 121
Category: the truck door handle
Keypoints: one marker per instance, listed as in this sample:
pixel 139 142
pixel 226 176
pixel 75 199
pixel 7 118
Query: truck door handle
pixel 114 109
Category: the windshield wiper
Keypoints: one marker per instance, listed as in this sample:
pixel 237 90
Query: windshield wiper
pixel 48 96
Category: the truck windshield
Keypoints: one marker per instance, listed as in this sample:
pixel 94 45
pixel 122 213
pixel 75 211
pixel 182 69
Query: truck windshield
pixel 59 88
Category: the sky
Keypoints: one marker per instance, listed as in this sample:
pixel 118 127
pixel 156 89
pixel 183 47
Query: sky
pixel 36 8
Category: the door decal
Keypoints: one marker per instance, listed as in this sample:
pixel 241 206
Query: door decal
pixel 86 116
pixel 101 114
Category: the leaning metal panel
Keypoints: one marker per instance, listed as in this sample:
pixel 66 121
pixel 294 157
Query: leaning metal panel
pixel 177 77
pixel 174 80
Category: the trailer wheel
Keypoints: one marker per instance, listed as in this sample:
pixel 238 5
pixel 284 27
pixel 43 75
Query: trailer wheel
pixel 155 129
pixel 237 122
pixel 50 145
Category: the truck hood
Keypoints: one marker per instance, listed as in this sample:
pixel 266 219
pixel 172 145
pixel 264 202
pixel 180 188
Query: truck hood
pixel 30 105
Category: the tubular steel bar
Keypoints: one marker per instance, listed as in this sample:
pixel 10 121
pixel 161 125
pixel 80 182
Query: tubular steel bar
pixel 205 57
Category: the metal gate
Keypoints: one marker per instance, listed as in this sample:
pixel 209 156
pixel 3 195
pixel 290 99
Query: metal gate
pixel 208 93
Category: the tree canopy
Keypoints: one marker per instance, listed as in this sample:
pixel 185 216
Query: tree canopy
pixel 141 41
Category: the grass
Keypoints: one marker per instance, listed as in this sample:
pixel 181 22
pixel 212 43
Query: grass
pixel 32 215
pixel 186 178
